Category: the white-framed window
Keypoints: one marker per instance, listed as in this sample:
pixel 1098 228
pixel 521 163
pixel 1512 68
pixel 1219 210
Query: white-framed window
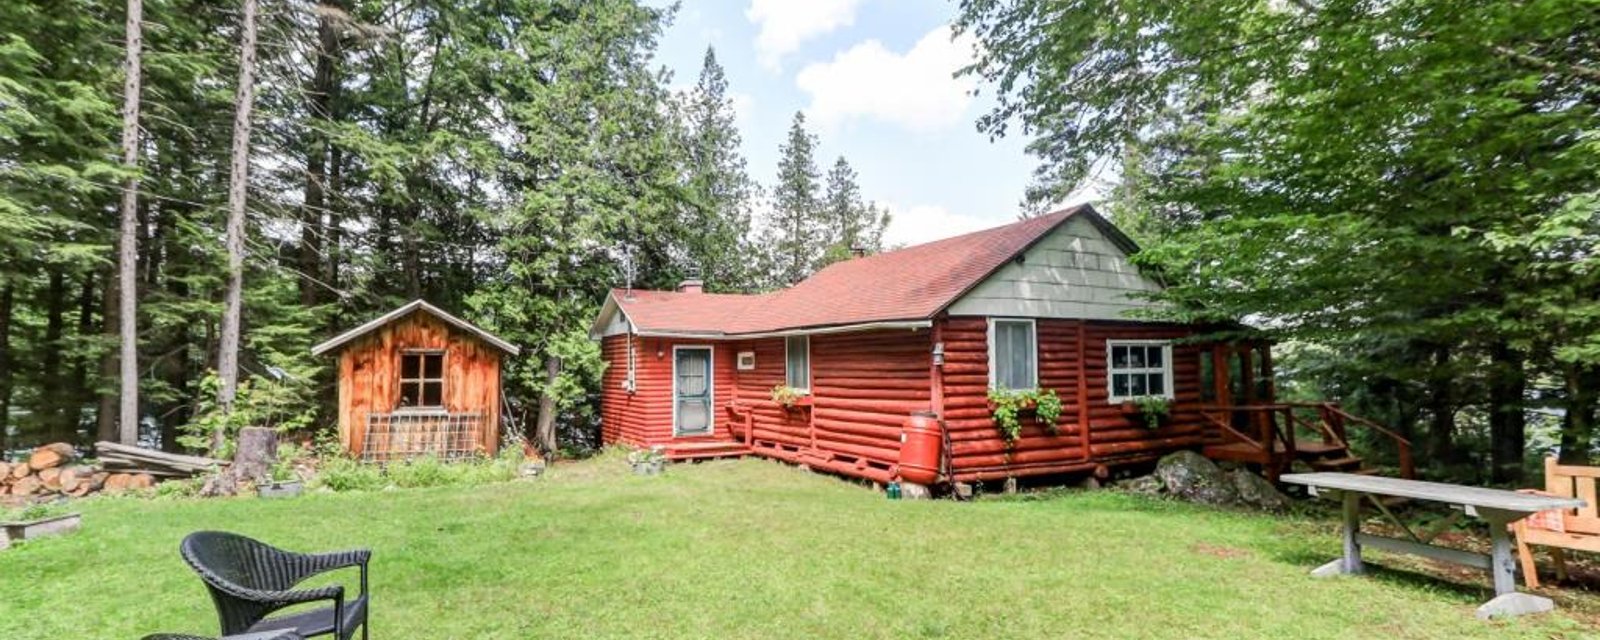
pixel 1138 368
pixel 1013 354
pixel 797 362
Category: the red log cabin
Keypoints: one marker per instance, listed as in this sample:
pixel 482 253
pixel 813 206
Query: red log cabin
pixel 1047 303
pixel 418 381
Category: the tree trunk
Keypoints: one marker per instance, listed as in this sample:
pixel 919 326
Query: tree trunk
pixel 238 180
pixel 319 105
pixel 7 300
pixel 58 427
pixel 1442 407
pixel 1507 422
pixel 544 433
pixel 128 242
pixel 1577 427
pixel 106 413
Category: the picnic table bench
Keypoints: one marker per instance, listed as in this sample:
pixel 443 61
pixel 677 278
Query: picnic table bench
pixel 1498 507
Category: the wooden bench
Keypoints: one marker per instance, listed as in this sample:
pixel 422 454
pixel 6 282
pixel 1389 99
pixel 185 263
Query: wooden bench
pixel 1577 529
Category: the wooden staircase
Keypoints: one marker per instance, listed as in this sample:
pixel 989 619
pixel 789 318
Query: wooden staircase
pixel 705 448
pixel 1274 436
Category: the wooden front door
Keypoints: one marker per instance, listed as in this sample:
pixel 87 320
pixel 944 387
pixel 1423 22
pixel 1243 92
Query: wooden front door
pixel 691 391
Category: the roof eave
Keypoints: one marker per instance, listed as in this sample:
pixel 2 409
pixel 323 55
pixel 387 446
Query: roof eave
pixel 404 310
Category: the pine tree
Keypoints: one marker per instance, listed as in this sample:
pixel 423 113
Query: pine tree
pixel 720 190
pixel 127 234
pixel 853 225
pixel 238 182
pixel 793 235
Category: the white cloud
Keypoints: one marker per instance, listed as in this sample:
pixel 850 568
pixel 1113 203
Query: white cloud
pixel 915 90
pixel 928 222
pixel 787 24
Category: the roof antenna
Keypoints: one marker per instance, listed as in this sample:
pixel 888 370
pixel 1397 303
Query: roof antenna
pixel 627 273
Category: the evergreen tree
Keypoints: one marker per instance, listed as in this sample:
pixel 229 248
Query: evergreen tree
pixel 853 225
pixel 793 234
pixel 1350 174
pixel 720 191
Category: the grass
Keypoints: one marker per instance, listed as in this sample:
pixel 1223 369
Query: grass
pixel 749 549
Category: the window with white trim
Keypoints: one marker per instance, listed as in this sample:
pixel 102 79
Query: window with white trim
pixel 1139 368
pixel 1013 355
pixel 797 362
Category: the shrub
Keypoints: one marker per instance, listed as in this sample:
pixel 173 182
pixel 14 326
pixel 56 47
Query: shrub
pixel 345 474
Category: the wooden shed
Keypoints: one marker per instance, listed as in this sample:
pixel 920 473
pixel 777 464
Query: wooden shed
pixel 1045 304
pixel 418 381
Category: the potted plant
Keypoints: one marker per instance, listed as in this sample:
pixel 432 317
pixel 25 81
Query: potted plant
pixel 285 481
pixel 1007 407
pixel 648 462
pixel 790 398
pixel 1153 410
pixel 38 521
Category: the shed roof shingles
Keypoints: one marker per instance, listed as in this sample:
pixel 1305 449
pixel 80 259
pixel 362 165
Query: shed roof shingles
pixel 913 283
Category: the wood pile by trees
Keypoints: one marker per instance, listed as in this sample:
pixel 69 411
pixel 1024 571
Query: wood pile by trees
pixel 54 470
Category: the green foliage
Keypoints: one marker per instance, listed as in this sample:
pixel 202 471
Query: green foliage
pixel 791 238
pixel 39 511
pixel 284 405
pixel 1409 185
pixel 1153 409
pixel 786 395
pixel 346 474
pixel 1006 407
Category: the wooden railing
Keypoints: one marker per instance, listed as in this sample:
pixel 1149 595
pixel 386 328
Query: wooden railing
pixel 1338 418
pixel 1272 429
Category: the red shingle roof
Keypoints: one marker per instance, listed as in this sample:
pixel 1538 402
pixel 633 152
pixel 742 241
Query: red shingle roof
pixel 913 283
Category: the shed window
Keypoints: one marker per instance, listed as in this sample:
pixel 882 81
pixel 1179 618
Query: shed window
pixel 1139 368
pixel 422 379
pixel 1013 355
pixel 797 362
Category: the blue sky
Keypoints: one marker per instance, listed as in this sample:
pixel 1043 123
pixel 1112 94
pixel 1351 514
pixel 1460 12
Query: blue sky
pixel 874 78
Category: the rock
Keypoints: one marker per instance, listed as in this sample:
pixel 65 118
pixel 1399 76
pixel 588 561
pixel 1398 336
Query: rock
pixel 1255 492
pixel 1142 485
pixel 1190 476
pixel 1089 483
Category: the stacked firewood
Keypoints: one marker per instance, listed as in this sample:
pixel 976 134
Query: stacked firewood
pixel 52 470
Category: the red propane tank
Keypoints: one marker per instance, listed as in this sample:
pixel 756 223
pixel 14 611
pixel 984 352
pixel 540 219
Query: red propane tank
pixel 920 444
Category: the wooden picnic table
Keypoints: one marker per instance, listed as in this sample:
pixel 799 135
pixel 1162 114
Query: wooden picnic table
pixel 1498 507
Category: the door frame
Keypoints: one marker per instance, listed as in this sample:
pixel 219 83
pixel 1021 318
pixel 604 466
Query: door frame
pixel 711 389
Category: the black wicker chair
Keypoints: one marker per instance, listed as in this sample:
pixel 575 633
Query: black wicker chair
pixel 250 579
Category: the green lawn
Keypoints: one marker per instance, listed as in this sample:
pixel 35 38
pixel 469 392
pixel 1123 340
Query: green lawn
pixel 748 549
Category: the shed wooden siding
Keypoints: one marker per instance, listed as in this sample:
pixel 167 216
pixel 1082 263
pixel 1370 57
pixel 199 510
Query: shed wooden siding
pixel 863 386
pixel 644 418
pixel 369 375
pixel 1074 272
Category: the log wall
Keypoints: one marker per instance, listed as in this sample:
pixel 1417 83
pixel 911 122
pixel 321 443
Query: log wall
pixel 863 386
pixel 369 376
pixel 1072 362
pixel 643 418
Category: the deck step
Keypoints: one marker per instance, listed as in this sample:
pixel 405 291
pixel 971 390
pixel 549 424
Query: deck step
pixel 1325 464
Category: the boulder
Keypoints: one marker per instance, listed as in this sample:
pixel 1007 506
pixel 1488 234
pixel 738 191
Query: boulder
pixel 1190 476
pixel 1255 492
